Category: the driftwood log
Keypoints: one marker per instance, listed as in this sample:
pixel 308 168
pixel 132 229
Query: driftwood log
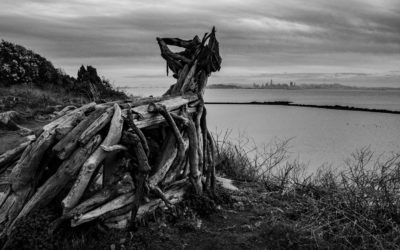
pixel 137 155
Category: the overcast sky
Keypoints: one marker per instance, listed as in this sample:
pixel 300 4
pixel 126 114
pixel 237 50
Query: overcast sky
pixel 257 38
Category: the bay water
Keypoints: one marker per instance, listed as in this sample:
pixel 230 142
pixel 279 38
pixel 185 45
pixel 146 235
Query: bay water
pixel 317 136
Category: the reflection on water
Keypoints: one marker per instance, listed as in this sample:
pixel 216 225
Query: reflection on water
pixel 318 136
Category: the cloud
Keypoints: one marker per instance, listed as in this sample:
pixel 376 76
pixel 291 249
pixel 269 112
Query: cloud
pixel 256 36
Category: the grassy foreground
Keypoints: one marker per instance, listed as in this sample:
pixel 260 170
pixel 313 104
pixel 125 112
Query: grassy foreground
pixel 355 208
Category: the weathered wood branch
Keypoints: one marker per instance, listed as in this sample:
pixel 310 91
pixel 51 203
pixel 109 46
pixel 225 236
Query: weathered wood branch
pixel 84 109
pixel 91 164
pixel 101 197
pixel 120 201
pixel 69 143
pixel 167 53
pixel 164 112
pixel 195 175
pixel 12 155
pixel 142 172
pixel 197 122
pixel 187 83
pixel 64 175
pixel 97 125
pixel 137 131
pixel 212 161
pixel 188 44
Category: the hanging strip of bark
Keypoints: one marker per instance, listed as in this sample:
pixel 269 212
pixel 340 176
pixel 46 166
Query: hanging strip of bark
pixel 136 130
pixel 195 175
pixel 204 130
pixel 189 79
pixel 176 88
pixel 91 164
pixel 206 148
pixel 201 82
pixel 212 166
pixel 199 114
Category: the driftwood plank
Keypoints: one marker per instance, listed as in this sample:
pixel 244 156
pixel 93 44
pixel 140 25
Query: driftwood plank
pixel 24 172
pixel 97 125
pixel 64 175
pixel 170 104
pixel 84 109
pixel 195 174
pixel 120 201
pixel 168 160
pixel 12 155
pixel 69 143
pixel 91 164
pixel 174 195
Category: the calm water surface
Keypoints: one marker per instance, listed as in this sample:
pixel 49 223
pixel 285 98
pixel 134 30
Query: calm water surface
pixel 375 99
pixel 318 136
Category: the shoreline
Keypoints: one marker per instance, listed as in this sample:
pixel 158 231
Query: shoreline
pixel 286 103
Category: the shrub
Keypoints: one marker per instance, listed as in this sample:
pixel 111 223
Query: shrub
pixel 22 67
pixel 357 207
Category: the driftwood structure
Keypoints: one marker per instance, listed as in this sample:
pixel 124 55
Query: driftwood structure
pixel 117 161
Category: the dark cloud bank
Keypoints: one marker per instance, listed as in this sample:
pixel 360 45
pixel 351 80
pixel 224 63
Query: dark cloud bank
pixel 259 39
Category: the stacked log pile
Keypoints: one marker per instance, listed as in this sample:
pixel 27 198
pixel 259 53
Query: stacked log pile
pixel 117 161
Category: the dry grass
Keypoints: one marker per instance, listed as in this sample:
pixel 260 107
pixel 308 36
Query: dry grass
pixel 355 208
pixel 29 100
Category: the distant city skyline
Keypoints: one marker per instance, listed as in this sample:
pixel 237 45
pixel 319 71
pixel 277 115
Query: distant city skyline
pixel 310 41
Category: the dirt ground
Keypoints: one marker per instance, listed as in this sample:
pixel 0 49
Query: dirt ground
pixel 251 219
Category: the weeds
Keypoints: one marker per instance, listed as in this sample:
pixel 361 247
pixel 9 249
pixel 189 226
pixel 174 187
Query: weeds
pixel 31 102
pixel 357 207
pixel 243 160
